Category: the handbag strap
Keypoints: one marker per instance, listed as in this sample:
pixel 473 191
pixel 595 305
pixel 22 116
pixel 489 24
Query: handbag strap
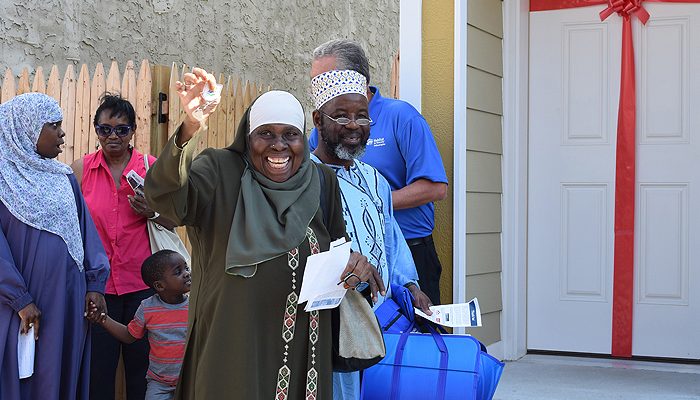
pixel 398 359
pixel 145 161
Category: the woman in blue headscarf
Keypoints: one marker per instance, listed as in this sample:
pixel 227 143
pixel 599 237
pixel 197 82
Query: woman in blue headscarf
pixel 51 258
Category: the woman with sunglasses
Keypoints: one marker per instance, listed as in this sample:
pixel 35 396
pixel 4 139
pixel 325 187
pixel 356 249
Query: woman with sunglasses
pixel 121 217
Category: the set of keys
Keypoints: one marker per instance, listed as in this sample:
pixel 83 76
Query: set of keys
pixel 209 96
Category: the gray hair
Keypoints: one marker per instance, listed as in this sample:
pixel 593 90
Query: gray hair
pixel 348 55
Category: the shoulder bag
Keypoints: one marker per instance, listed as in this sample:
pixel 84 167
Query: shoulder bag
pixel 162 238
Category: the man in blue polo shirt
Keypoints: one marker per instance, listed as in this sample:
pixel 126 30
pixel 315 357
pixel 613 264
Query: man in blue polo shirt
pixel 401 146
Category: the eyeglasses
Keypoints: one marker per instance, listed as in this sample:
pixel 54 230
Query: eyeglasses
pixel 344 121
pixel 106 130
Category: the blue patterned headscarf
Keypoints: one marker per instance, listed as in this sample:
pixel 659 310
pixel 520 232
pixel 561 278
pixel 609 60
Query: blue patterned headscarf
pixel 34 189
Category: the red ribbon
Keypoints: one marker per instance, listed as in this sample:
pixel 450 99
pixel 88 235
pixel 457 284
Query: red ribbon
pixel 625 9
pixel 548 5
pixel 623 275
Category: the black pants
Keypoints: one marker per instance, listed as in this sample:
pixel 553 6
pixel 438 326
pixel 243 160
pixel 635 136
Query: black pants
pixel 428 266
pixel 106 349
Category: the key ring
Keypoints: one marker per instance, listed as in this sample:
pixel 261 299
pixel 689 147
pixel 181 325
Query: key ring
pixel 359 286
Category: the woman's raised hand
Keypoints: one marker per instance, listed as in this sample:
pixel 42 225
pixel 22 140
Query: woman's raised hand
pixel 196 108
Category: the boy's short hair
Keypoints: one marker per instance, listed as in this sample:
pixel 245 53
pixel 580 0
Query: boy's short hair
pixel 154 266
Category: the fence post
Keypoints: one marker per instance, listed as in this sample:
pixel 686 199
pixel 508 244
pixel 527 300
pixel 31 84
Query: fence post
pixel 68 106
pixel 82 115
pixel 160 77
pixel 23 86
pixel 97 90
pixel 143 104
pixel 113 78
pixel 239 107
pixel 54 87
pixel 39 85
pixel 8 86
pixel 231 116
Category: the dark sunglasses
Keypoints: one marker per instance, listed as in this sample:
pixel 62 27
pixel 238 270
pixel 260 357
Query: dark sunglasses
pixel 106 130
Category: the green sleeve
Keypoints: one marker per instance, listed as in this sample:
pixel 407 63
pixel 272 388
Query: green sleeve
pixel 179 187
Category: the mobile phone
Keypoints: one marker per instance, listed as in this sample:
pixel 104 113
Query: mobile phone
pixel 135 181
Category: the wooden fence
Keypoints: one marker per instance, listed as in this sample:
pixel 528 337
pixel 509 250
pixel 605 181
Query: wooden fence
pixel 158 110
pixel 151 91
pixel 394 82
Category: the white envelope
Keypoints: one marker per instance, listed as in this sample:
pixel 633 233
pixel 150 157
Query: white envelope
pixel 25 353
pixel 320 283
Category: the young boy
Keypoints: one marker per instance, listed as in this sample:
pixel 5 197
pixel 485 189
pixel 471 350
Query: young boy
pixel 164 316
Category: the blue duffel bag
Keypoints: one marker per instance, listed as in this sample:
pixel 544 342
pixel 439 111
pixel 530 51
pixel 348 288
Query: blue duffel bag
pixel 396 313
pixel 427 365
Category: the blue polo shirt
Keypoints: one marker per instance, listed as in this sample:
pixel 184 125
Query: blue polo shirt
pixel 401 146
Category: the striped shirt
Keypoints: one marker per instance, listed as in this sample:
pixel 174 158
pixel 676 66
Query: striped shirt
pixel 167 327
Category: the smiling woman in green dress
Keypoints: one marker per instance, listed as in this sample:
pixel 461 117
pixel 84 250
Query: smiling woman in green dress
pixel 253 217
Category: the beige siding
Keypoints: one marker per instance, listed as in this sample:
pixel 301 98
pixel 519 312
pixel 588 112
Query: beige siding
pixel 487 288
pixel 486 15
pixel 484 51
pixel 483 213
pixel 483 172
pixel 484 149
pixel 484 132
pixel 484 253
pixel 484 91
pixel 490 331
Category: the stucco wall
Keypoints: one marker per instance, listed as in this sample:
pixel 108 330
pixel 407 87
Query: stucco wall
pixel 262 40
pixel 437 93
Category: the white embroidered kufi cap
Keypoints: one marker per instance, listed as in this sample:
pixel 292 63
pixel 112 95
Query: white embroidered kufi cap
pixel 276 107
pixel 331 84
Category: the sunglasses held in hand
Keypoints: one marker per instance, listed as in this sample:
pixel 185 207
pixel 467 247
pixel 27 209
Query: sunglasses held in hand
pixel 354 282
pixel 107 130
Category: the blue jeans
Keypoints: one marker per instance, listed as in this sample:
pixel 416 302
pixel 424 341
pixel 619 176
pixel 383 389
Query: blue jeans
pixel 346 385
pixel 159 391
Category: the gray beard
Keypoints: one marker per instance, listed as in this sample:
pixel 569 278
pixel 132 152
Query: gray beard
pixel 344 154
pixel 340 151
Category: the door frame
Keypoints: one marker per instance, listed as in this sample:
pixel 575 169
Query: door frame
pixel 515 154
pixel 516 19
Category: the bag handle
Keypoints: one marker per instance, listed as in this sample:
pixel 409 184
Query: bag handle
pixel 444 358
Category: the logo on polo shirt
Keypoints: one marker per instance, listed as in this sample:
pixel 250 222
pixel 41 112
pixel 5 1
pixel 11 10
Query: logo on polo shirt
pixel 376 142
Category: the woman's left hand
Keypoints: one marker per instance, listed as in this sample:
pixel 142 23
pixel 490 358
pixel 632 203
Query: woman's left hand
pixel 95 307
pixel 140 207
pixel 363 272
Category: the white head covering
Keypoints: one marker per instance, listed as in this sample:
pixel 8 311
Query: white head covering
pixel 36 190
pixel 276 107
pixel 334 83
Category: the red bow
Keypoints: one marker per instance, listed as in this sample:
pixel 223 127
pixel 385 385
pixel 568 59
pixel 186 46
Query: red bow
pixel 625 8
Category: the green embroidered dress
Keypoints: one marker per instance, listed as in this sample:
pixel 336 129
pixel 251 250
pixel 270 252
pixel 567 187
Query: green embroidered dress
pixel 247 337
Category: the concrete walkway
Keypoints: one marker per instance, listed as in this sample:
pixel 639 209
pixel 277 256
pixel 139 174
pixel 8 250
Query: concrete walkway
pixel 543 377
